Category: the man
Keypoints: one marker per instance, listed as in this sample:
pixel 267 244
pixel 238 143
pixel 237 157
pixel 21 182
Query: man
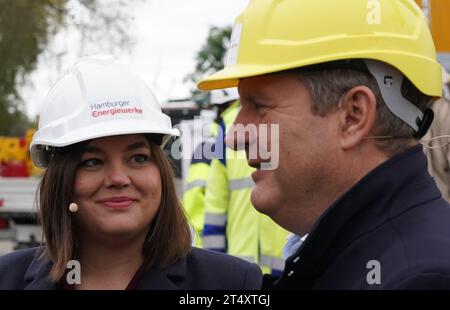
pixel 348 83
pixel 231 224
pixel 439 155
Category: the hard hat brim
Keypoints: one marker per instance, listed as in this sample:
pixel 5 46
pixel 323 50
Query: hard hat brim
pixel 410 65
pixel 94 131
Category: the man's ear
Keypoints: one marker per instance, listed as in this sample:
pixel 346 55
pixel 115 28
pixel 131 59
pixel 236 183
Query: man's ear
pixel 357 116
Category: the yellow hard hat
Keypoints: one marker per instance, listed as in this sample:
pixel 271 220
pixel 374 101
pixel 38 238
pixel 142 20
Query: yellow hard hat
pixel 276 35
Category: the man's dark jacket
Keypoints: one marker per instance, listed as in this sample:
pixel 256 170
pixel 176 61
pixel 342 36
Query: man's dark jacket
pixel 389 231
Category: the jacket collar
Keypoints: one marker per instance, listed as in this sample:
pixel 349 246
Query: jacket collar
pixel 37 276
pixel 167 279
pixel 392 188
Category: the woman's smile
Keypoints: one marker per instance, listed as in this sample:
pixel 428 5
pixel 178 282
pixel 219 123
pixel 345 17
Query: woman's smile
pixel 117 202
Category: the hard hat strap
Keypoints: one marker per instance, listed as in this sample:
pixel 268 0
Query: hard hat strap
pixel 390 82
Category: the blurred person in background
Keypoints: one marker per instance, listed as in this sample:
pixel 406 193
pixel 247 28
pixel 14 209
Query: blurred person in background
pixel 199 167
pixel 439 153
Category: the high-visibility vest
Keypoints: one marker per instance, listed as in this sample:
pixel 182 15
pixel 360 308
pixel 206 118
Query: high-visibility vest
pixel 231 223
pixel 194 192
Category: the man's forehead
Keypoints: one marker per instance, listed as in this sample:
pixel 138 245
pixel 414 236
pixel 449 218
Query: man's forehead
pixel 265 86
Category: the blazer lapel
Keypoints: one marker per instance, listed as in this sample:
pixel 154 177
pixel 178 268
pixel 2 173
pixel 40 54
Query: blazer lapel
pixel 170 278
pixel 37 275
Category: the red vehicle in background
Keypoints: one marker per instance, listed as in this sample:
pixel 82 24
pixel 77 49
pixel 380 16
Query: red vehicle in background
pixel 19 180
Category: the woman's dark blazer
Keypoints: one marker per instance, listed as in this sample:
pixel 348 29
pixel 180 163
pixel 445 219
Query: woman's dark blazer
pixel 200 270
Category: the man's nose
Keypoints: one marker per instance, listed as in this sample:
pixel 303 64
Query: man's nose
pixel 240 135
pixel 233 139
pixel 117 176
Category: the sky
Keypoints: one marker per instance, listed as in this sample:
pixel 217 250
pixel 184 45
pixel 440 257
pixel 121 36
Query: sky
pixel 168 34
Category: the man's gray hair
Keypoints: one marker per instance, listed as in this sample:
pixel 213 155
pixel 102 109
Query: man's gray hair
pixel 327 87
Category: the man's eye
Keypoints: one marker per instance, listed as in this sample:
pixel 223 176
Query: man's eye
pixel 260 108
pixel 140 158
pixel 92 162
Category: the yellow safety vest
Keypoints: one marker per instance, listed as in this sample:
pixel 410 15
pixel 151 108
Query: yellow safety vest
pixel 194 192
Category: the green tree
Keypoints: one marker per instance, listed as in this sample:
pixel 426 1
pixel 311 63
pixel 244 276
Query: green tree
pixel 24 30
pixel 210 58
pixel 27 27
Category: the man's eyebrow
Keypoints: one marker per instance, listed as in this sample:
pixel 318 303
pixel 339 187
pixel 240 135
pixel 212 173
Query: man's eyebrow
pixel 256 96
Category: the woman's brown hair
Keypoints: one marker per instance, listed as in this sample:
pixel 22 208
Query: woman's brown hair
pixel 168 238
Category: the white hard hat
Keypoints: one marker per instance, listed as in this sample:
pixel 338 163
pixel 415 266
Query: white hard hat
pixel 97 97
pixel 221 96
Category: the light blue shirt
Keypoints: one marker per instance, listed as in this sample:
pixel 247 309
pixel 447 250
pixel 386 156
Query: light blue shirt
pixel 293 243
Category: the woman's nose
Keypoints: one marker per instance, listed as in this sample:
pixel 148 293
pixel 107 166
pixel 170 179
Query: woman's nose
pixel 117 177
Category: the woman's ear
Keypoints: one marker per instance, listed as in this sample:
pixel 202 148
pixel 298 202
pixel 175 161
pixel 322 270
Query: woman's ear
pixel 357 116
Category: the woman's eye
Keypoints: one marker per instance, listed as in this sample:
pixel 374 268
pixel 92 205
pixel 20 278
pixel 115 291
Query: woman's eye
pixel 140 158
pixel 92 162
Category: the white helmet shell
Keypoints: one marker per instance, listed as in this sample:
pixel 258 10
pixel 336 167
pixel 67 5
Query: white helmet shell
pixel 221 96
pixel 97 97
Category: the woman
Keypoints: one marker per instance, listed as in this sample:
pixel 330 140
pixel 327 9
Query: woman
pixel 107 202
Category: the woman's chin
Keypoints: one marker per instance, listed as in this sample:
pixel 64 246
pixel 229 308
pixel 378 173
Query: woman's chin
pixel 119 231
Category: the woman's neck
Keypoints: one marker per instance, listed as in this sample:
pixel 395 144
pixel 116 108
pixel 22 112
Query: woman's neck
pixel 109 265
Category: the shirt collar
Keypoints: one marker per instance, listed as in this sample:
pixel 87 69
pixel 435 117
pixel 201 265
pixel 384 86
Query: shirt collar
pixel 293 244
